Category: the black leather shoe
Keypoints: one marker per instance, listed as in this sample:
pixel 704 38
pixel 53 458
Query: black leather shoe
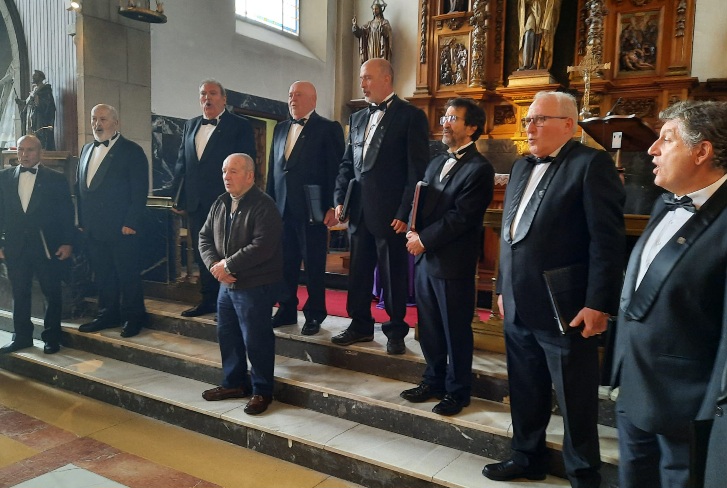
pixel 311 327
pixel 16 346
pixel 395 346
pixel 258 404
pixel 96 325
pixel 200 309
pixel 422 393
pixel 130 329
pixel 51 347
pixel 222 393
pixel 279 320
pixel 348 337
pixel 509 470
pixel 450 405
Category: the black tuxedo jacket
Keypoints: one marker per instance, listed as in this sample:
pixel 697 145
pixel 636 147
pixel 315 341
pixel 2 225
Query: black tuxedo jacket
pixel 118 191
pixel 201 179
pixel 395 161
pixel 314 160
pixel 666 355
pixel 50 212
pixel 451 220
pixel 574 217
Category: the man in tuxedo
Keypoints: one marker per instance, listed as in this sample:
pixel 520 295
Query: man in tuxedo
pixel 306 151
pixel 387 153
pixel 112 184
pixel 36 228
pixel 672 317
pixel 446 243
pixel 206 141
pixel 240 245
pixel 563 209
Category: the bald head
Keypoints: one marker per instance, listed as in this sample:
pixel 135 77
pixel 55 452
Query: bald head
pixel 29 151
pixel 238 174
pixel 302 99
pixel 377 80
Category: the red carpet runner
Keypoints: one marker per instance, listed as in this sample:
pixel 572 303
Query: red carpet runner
pixel 336 304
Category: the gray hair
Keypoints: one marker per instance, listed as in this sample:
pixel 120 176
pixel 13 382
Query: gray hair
pixel 212 81
pixel 701 121
pixel 567 103
pixel 111 109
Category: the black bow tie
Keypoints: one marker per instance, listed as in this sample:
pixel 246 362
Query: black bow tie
pixel 23 169
pixel 536 160
pixel 298 121
pixel 209 121
pixel 673 203
pixel 382 106
pixel 98 143
pixel 458 153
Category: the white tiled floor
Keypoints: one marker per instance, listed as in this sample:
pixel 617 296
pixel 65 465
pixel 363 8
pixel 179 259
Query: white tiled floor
pixel 69 476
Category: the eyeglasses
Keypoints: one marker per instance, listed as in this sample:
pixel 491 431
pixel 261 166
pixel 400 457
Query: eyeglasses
pixel 538 120
pixel 447 118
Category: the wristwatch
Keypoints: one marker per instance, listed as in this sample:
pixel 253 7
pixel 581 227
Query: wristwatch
pixel 227 270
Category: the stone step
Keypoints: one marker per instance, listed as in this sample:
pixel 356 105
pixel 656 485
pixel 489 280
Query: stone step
pixel 481 429
pixel 340 447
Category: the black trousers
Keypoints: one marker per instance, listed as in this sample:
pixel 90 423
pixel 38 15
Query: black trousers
pixel 209 286
pixel 118 277
pixel 309 244
pixel 537 361
pixel 390 253
pixel 32 261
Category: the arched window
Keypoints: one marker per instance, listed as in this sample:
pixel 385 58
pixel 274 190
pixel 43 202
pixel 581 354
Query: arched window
pixel 281 15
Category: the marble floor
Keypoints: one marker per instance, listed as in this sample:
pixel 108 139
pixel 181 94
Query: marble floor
pixel 55 439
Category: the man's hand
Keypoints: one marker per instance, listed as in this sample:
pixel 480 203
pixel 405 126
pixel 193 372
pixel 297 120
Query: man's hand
pixel 64 252
pixel 218 271
pixel 398 226
pixel 338 211
pixel 500 306
pixel 414 244
pixel 178 212
pixel 127 231
pixel 596 322
pixel 330 219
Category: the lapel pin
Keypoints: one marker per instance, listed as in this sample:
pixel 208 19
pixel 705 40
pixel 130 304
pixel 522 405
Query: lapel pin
pixel 681 240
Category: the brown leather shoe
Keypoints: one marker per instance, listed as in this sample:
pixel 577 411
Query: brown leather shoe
pixel 222 393
pixel 258 404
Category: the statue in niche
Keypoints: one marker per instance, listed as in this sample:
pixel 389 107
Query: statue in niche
pixel 375 35
pixel 538 20
pixel 40 111
pixel 457 6
pixel 637 44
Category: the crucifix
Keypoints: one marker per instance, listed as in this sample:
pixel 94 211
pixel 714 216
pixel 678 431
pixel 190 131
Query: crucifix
pixel 586 68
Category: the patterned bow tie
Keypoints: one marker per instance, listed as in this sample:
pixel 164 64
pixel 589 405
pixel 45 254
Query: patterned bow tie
pixel 298 121
pixel 23 169
pixel 98 143
pixel 382 106
pixel 673 203
pixel 457 154
pixel 209 121
pixel 536 160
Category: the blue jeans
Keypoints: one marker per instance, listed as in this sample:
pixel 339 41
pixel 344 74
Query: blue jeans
pixel 243 331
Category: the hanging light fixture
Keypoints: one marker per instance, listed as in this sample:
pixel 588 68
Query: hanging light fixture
pixel 140 10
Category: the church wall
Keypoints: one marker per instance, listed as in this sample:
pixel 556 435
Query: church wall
pixel 710 41
pixel 52 51
pixel 201 42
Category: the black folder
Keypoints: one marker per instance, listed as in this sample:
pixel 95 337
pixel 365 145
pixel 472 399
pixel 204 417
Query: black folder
pixel 567 292
pixel 315 205
pixel 699 434
pixel 420 192
pixel 348 201
pixel 178 194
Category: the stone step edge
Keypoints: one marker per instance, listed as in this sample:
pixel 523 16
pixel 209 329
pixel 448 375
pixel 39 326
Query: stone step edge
pixel 47 361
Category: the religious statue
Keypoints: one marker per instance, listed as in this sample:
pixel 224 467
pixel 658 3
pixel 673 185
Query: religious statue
pixel 375 35
pixel 40 111
pixel 457 6
pixel 538 20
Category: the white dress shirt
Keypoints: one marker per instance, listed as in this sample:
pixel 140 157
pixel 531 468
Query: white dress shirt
pixel 26 183
pixel 97 156
pixel 202 137
pixel 670 225
pixel 293 133
pixel 373 123
pixel 449 163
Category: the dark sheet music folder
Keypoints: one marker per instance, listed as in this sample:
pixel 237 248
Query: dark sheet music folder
pixel 420 192
pixel 347 202
pixel 567 293
pixel 315 205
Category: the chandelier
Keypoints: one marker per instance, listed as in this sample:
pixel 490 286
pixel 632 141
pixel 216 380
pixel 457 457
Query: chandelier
pixel 140 10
